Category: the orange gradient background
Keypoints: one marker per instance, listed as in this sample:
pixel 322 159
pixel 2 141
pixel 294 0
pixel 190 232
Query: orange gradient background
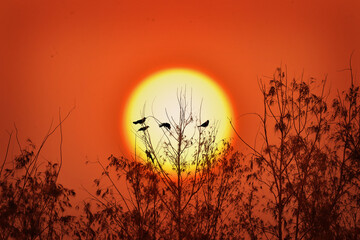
pixel 91 54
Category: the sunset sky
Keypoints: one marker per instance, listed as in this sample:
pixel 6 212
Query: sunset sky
pixel 92 54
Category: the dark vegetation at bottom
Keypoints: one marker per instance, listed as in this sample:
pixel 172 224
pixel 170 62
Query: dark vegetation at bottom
pixel 300 180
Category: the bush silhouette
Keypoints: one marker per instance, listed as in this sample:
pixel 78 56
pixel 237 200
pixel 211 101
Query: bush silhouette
pixel 299 181
pixel 33 204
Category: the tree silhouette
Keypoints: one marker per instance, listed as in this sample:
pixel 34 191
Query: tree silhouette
pixel 303 176
pixel 125 213
pixel 345 198
pixel 187 201
pixel 33 204
pixel 301 180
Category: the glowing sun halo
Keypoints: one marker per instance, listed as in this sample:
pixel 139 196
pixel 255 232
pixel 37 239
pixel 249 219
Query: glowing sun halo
pixel 157 96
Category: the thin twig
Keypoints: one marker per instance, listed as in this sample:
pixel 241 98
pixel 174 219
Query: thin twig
pixel 6 153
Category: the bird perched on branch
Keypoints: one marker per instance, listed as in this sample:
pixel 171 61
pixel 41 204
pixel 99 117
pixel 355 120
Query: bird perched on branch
pixel 143 128
pixel 205 124
pixel 148 154
pixel 140 121
pixel 167 125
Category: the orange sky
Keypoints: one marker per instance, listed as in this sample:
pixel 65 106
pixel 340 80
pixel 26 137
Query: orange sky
pixel 93 53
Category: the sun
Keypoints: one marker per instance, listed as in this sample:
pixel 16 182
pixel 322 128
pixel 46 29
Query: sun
pixel 157 98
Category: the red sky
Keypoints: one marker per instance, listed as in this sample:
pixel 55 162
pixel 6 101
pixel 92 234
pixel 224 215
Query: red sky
pixel 93 53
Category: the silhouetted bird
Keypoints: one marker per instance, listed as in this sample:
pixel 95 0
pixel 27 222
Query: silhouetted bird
pixel 205 124
pixel 148 154
pixel 143 128
pixel 167 125
pixel 141 121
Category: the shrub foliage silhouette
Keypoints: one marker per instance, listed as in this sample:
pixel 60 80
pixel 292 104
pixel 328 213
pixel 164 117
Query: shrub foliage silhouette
pixel 188 201
pixel 301 180
pixel 33 204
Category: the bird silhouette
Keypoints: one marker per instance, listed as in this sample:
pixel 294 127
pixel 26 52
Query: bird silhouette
pixel 167 125
pixel 143 128
pixel 148 154
pixel 140 121
pixel 205 124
